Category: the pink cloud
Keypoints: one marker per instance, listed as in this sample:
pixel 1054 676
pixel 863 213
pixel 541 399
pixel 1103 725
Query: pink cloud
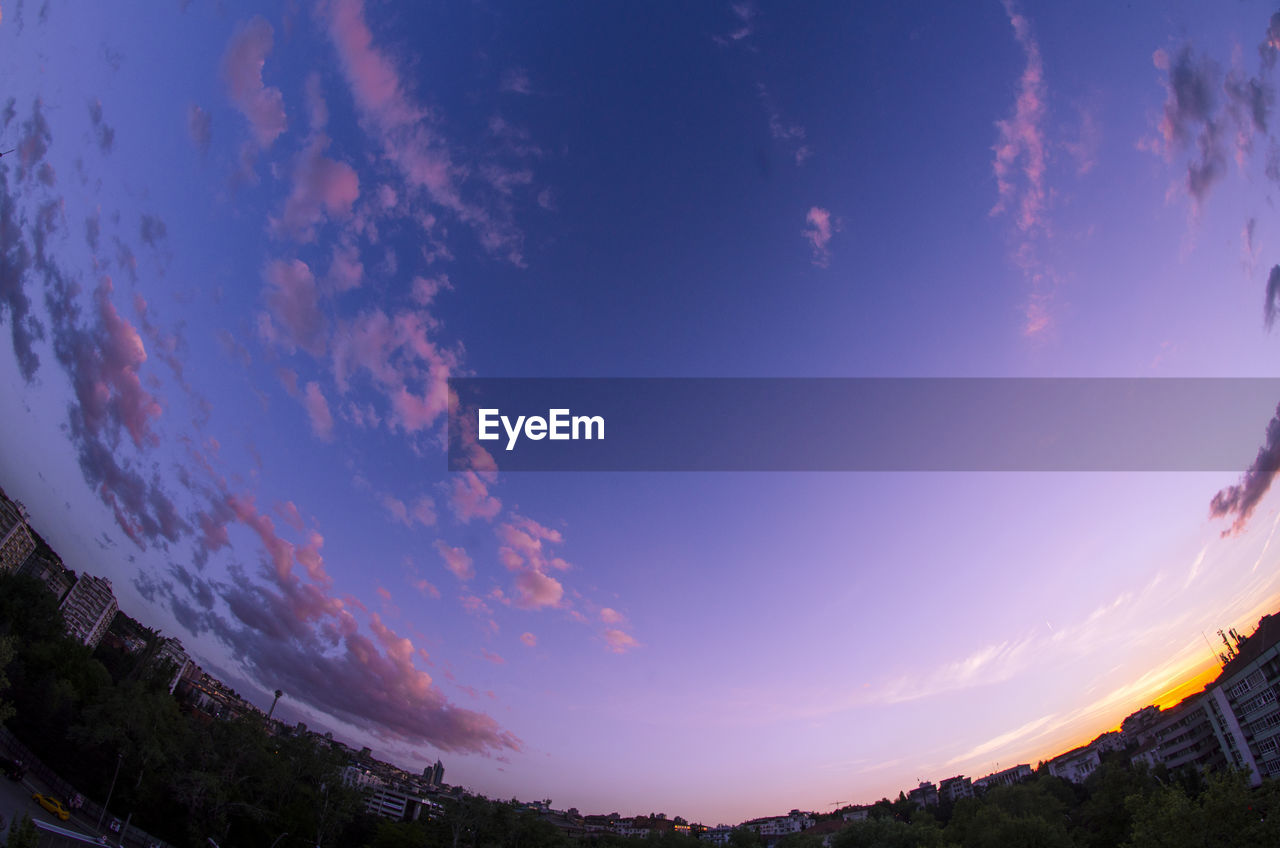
pixel 426 587
pixel 289 379
pixel 620 642
pixel 456 560
pixel 535 590
pixel 404 363
pixel 321 186
pixel 470 498
pixel 280 552
pixel 293 302
pixel 492 657
pixel 383 593
pixel 475 605
pixel 308 556
pixel 289 514
pixel 522 551
pixel 402 128
pixel 425 289
pixel 610 616
pixel 818 233
pixel 104 366
pixel 1021 136
pixel 529 639
pixel 345 270
pixel 421 511
pixel 242 66
pixel 318 411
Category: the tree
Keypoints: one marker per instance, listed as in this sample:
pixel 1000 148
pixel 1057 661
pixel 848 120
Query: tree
pixel 22 834
pixel 743 837
pixel 7 652
pixel 1228 812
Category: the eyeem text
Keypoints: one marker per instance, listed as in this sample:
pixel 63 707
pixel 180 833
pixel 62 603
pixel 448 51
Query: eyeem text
pixel 559 425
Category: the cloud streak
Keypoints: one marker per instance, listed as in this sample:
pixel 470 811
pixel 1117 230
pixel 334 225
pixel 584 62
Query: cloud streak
pixel 242 67
pixel 1238 502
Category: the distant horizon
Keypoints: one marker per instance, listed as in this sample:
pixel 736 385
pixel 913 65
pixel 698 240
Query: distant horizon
pixel 244 251
pixel 1180 691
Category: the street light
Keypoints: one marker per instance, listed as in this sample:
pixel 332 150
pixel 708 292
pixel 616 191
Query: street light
pixel 278 838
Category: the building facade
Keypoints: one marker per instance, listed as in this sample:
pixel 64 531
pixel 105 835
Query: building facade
pixel 954 788
pixel 1076 765
pixel 46 566
pixel 1008 777
pixel 88 609
pixel 1243 704
pixel 16 539
pixel 170 651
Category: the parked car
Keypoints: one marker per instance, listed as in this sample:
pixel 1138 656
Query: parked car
pixel 53 805
pixel 12 769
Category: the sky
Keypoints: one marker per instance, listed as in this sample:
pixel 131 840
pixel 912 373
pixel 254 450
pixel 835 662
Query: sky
pixel 242 249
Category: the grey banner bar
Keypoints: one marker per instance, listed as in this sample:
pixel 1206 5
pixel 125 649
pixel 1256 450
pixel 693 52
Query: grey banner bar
pixel 860 424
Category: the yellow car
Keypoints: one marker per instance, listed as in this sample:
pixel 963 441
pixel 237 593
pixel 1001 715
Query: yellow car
pixel 53 805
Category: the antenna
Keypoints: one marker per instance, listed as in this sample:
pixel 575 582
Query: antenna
pixel 1231 652
pixel 7 152
pixel 1212 652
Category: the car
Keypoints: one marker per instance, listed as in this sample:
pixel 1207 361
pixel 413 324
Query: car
pixel 53 805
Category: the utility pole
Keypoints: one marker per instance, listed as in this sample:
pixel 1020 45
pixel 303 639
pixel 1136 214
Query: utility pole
pixel 111 791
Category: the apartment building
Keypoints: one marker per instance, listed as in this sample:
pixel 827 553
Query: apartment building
pixel 88 609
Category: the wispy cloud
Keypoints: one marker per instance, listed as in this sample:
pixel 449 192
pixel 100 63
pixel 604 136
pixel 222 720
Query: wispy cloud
pixel 744 17
pixel 818 231
pixel 242 66
pixel 620 642
pixel 1019 163
pixel 1018 737
pixel 789 134
pixel 455 560
pixel 1020 167
pixel 1238 502
pixel 405 131
pixel 318 411
pixel 294 319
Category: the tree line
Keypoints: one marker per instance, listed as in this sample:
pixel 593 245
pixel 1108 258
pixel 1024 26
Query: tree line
pixel 101 717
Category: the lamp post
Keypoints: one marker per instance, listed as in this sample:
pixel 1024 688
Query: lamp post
pixel 111 791
pixel 278 838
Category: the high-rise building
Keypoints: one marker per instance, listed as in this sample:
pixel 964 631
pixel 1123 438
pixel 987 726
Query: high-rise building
pixel 170 650
pixel 1244 702
pixel 1235 721
pixel 46 566
pixel 88 609
pixel 434 775
pixel 16 539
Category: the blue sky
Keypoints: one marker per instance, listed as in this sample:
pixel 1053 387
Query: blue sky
pixel 243 248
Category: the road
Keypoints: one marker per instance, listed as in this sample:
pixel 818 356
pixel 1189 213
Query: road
pixel 15 799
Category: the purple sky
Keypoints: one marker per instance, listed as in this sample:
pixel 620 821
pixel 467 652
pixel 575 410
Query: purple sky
pixel 242 249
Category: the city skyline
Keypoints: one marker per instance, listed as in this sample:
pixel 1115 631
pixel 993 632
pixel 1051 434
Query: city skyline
pixel 242 249
pixel 1241 722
